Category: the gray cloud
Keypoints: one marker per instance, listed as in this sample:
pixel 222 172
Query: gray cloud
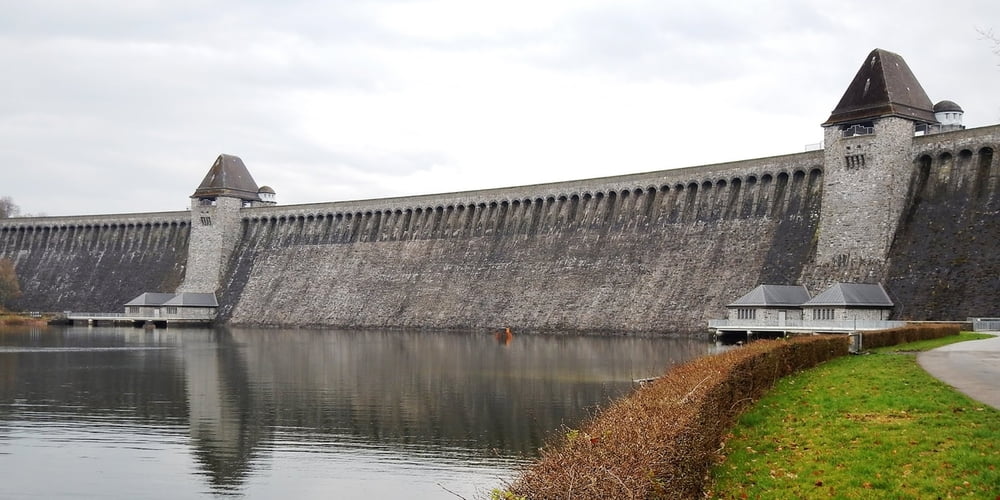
pixel 122 106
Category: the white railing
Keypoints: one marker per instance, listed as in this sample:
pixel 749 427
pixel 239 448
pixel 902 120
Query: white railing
pixel 858 130
pixel 798 324
pixel 71 314
pixel 985 324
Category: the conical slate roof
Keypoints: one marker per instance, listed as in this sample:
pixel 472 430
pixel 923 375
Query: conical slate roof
pixel 884 86
pixel 852 294
pixel 774 296
pixel 228 177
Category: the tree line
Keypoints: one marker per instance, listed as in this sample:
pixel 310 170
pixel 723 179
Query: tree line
pixel 9 286
pixel 8 208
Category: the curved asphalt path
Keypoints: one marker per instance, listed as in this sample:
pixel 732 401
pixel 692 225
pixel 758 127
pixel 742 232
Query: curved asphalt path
pixel 972 367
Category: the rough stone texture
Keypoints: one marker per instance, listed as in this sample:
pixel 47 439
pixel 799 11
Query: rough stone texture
pixel 651 252
pixel 864 192
pixel 655 252
pixel 94 263
pixel 214 233
pixel 944 261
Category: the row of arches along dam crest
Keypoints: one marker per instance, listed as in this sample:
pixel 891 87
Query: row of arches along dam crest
pixel 635 256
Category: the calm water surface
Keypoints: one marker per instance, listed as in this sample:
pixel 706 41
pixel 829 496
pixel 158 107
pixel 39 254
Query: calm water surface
pixel 123 413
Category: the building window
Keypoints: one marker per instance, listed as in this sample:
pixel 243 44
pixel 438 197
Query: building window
pixel 133 309
pixel 206 221
pixel 823 314
pixel 746 313
pixel 866 128
pixel 171 310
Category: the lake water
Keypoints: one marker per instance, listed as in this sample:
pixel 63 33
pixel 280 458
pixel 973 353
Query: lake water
pixel 239 413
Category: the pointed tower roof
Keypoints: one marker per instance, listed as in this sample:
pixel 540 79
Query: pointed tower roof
pixel 228 177
pixel 884 86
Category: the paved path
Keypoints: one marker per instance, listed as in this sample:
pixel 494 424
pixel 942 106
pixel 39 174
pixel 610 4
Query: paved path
pixel 972 367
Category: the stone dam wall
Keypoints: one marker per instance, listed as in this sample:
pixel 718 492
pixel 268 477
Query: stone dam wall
pixel 944 262
pixel 643 253
pixel 94 263
pixel 653 252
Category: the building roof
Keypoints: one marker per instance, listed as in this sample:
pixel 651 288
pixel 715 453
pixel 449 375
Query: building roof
pixel 884 86
pixel 183 299
pixel 773 296
pixel 947 106
pixel 228 177
pixel 852 295
pixel 150 299
pixel 193 299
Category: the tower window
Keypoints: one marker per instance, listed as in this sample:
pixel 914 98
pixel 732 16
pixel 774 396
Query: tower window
pixel 206 221
pixel 866 128
pixel 852 162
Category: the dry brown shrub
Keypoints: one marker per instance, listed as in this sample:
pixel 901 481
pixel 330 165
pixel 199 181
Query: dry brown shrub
pixel 659 442
pixel 908 333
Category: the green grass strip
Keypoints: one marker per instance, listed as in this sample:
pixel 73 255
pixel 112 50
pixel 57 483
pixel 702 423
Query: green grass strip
pixel 869 426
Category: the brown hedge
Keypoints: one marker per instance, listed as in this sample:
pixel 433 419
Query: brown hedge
pixel 659 442
pixel 908 333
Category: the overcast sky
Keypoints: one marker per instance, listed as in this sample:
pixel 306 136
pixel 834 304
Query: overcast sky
pixel 122 106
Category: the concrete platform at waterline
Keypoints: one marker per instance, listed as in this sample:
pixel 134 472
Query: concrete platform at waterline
pixel 971 367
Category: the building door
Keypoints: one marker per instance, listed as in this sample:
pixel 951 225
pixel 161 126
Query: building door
pixel 781 318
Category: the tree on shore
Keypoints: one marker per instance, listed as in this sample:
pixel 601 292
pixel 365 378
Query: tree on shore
pixel 9 287
pixel 8 208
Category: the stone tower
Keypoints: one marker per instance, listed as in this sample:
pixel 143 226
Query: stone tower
pixel 867 165
pixel 215 222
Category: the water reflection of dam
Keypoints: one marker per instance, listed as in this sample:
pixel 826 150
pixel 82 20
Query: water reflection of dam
pixel 241 408
pixel 400 390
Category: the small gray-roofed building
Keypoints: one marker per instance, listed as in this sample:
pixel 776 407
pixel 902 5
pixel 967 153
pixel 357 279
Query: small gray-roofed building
pixel 850 301
pixel 173 306
pixel 228 177
pixel 770 304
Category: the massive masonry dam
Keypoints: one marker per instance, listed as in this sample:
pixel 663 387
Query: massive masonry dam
pixel 901 194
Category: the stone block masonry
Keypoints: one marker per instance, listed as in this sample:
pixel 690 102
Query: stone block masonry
pixel 944 262
pixel 652 252
pixel 214 233
pixel 655 252
pixel 94 263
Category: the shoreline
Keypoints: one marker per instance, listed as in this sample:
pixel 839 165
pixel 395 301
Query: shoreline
pixel 20 319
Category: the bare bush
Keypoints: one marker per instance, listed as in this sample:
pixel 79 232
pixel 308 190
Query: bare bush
pixel 660 441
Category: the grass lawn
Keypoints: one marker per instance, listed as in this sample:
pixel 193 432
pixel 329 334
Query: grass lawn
pixel 870 426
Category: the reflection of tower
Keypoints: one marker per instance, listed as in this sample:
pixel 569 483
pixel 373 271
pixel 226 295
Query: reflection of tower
pixel 223 431
pixel 215 221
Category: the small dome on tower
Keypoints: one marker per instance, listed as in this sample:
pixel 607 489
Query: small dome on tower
pixel 267 194
pixel 944 106
pixel 949 114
